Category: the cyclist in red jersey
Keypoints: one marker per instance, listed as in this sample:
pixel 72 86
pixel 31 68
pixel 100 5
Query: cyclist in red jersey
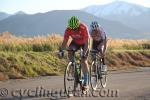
pixel 80 39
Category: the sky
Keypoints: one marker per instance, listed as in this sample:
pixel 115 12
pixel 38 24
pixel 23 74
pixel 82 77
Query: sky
pixel 35 6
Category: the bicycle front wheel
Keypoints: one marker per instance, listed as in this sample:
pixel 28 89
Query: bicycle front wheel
pixel 93 76
pixel 69 79
pixel 102 75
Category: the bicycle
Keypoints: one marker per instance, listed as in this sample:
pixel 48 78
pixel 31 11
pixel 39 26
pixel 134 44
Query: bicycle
pixel 73 77
pixel 97 75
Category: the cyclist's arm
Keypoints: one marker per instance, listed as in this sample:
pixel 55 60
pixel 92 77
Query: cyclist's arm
pixel 65 41
pixel 86 47
pixel 105 45
pixel 87 41
pixel 64 44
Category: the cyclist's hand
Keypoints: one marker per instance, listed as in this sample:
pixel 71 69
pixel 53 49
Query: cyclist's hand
pixel 61 53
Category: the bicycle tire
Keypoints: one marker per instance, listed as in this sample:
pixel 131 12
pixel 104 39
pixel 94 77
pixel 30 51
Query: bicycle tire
pixel 102 76
pixel 66 85
pixel 93 86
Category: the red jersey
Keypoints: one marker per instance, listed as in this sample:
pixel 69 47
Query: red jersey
pixel 79 36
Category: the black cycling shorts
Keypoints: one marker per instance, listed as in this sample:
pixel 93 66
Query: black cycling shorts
pixel 75 47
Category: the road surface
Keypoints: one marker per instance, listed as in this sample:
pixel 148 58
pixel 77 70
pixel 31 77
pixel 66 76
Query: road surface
pixel 125 85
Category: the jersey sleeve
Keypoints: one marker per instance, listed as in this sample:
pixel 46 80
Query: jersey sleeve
pixel 103 33
pixel 66 35
pixel 86 34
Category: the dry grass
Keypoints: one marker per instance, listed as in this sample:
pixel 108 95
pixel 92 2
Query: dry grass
pixel 8 42
pixel 121 42
pixel 7 38
pixel 126 44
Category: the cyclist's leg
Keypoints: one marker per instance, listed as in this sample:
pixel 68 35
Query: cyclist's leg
pixel 73 47
pixel 94 47
pixel 85 69
pixel 103 50
pixel 100 48
pixel 104 67
pixel 85 74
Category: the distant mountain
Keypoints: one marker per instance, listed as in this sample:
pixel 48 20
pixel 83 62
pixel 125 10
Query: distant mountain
pixel 56 22
pixel 19 13
pixel 131 15
pixel 4 15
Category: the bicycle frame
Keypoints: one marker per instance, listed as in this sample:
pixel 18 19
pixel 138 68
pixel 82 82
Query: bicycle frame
pixel 78 75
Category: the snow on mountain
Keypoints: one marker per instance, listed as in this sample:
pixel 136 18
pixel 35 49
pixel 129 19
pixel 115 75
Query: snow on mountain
pixel 116 8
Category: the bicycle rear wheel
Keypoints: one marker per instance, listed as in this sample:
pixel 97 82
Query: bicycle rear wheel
pixel 69 79
pixel 93 76
pixel 102 75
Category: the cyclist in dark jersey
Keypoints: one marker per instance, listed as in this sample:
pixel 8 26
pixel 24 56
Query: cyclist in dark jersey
pixel 99 41
pixel 80 39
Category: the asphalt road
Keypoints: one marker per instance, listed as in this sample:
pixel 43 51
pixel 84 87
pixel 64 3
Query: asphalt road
pixel 121 85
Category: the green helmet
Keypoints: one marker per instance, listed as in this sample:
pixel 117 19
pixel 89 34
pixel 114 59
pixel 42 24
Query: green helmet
pixel 73 22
